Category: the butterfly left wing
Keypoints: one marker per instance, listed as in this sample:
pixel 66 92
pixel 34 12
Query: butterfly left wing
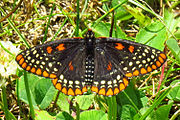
pixel 59 60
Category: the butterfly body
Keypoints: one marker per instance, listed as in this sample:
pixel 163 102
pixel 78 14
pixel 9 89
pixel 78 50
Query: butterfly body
pixel 103 64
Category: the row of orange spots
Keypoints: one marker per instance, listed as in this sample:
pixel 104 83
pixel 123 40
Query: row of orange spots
pixel 110 91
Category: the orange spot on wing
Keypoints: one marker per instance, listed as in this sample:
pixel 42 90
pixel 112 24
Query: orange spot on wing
pixel 121 87
pixel 58 86
pixel 52 76
pixel 71 92
pixel 54 81
pixel 149 69
pixel 84 89
pixel 161 60
pixel 49 49
pixel 128 74
pixel 94 89
pixel 28 68
pixel 158 63
pixel 64 90
pixel 136 73
pixel 33 70
pixel 21 61
pixel 24 65
pixel 19 57
pixel 143 71
pixel 60 47
pixel 125 81
pixel 38 71
pixel 45 74
pixel 154 67
pixel 102 91
pixel 70 66
pixel 109 92
pixel 131 49
pixel 109 66
pixel 163 55
pixel 119 46
pixel 116 91
pixel 78 91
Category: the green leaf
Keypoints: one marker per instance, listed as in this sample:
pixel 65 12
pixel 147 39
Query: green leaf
pixel 174 47
pixel 64 116
pixel 43 115
pixel 153 35
pixel 142 19
pixel 162 112
pixel 102 29
pixel 42 90
pixel 85 101
pixel 175 91
pixel 127 112
pixel 93 115
pixel 63 102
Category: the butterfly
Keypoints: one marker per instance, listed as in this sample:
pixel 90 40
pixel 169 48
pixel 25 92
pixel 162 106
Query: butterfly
pixel 102 64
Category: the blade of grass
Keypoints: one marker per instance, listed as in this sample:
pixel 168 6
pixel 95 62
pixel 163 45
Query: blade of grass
pixel 49 20
pixel 77 20
pixel 15 29
pixel 32 113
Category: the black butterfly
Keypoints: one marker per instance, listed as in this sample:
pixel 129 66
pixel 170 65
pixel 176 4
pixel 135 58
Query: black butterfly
pixel 103 64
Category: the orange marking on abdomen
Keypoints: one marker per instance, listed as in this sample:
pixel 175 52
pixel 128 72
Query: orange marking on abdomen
pixel 78 91
pixel 131 49
pixel 158 63
pixel 49 49
pixel 21 61
pixel 119 46
pixel 71 92
pixel 94 89
pixel 38 71
pixel 109 66
pixel 70 66
pixel 52 76
pixel 19 57
pixel 45 74
pixel 109 92
pixel 77 37
pixel 60 47
pixel 163 56
pixel 102 91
